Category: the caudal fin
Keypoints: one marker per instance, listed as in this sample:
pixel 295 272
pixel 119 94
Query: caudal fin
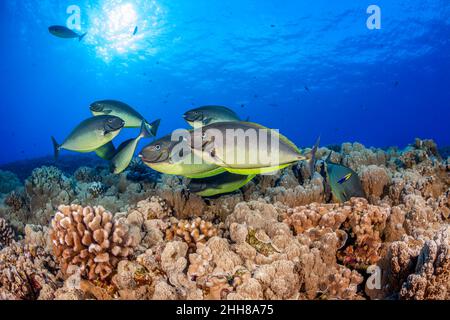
pixel 152 128
pixel 82 36
pixel 145 130
pixel 312 162
pixel 56 148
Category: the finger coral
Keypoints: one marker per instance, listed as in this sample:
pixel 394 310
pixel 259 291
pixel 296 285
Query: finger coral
pixel 90 239
pixel 431 279
pixel 25 270
pixel 15 200
pixel 6 234
pixel 192 232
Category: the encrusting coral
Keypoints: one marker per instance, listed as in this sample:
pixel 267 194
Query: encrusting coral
pixel 276 238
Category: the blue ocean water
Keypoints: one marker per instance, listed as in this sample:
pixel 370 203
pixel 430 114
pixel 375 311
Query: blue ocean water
pixel 306 68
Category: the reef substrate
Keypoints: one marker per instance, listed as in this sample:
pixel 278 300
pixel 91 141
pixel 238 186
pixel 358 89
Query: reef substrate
pixel 140 235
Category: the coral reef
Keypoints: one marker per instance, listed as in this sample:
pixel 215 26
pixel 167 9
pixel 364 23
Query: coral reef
pixel 25 270
pixel 8 181
pixel 431 279
pixel 90 234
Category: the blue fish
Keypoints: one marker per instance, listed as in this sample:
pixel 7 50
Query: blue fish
pixel 336 176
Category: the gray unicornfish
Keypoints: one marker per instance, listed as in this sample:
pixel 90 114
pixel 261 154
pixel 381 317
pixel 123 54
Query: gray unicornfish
pixel 90 135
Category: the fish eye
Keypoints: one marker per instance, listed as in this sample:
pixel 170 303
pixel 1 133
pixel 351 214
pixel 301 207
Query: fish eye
pixel 204 135
pixel 157 147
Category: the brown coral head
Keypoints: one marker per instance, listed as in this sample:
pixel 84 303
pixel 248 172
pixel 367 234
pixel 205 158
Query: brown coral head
pixel 91 240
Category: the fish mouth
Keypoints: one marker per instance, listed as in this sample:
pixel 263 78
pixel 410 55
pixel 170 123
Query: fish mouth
pixel 110 128
pixel 195 187
pixel 161 158
pixel 187 117
pixel 192 117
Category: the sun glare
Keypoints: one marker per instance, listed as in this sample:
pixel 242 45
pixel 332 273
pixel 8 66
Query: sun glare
pixel 113 25
pixel 121 17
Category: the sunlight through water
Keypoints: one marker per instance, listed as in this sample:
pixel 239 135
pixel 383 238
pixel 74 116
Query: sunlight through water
pixel 112 27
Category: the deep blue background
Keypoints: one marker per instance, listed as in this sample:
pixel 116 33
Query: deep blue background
pixel 379 87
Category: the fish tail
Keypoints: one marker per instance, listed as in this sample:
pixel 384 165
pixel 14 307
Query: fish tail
pixel 145 130
pixel 112 168
pixel 56 148
pixel 329 156
pixel 152 128
pixel 82 36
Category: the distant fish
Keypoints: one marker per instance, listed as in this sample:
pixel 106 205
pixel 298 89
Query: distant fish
pixel 132 118
pixel 343 181
pixel 209 114
pixel 91 134
pixel 396 84
pixel 65 33
pixel 307 89
pixel 136 29
pixel 223 183
pixel 126 150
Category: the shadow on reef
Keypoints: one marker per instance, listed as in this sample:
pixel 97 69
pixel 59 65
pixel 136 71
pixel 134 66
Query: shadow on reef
pixel 85 233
